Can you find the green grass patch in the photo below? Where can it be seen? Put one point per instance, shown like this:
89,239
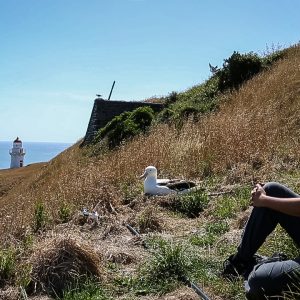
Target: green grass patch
212,231
64,212
40,217
130,191
162,272
23,275
7,265
228,206
142,284
279,241
190,205
206,273
88,290
170,260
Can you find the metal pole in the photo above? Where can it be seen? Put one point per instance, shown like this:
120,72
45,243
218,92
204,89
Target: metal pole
111,90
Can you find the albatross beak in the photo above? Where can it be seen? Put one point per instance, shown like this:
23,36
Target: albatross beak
143,176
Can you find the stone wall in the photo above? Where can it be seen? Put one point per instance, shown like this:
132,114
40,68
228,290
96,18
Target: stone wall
104,111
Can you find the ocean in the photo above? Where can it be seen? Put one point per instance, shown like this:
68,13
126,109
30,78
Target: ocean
35,152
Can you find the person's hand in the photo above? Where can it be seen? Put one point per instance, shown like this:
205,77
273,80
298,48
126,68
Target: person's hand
257,195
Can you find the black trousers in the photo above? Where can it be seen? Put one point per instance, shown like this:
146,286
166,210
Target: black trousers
271,278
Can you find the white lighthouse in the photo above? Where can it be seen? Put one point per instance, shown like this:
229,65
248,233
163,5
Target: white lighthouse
17,154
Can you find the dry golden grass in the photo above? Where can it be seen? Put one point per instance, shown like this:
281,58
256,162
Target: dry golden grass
12,177
154,99
255,132
257,126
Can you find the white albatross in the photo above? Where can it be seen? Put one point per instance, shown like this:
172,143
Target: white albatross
160,187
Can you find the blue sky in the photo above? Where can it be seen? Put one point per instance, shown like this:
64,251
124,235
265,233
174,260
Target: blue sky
56,55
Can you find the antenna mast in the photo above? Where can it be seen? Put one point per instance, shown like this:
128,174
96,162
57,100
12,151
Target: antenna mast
111,90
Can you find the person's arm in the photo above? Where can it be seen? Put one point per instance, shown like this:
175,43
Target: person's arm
289,206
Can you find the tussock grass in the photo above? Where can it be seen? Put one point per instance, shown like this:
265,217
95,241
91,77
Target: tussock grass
60,263
170,260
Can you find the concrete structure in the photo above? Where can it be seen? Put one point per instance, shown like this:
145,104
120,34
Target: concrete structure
17,154
104,111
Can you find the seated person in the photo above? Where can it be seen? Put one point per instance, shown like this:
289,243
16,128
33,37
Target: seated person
273,204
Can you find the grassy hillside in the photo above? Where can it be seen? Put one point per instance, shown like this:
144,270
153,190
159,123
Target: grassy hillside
254,135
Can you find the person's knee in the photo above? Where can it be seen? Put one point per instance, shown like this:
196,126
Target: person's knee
276,189
271,279
255,289
272,188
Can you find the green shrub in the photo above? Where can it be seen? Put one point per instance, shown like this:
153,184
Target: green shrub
142,117
204,98
274,56
237,69
7,265
165,115
113,124
126,125
64,212
172,98
40,217
130,191
193,102
205,240
187,111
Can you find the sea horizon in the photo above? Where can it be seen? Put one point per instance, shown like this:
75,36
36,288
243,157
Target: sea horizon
35,152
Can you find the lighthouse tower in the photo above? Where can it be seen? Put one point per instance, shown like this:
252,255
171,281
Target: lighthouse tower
17,154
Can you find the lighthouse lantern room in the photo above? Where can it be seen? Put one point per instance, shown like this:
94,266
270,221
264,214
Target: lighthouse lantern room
17,154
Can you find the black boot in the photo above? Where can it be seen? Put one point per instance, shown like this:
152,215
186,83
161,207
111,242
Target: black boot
234,266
